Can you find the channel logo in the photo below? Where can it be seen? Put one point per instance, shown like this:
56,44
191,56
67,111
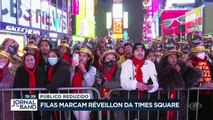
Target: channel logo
24,104
195,106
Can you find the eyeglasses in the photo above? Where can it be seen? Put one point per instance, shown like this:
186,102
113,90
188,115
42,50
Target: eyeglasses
167,23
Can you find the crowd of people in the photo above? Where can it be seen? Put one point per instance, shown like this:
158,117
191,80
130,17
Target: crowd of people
106,64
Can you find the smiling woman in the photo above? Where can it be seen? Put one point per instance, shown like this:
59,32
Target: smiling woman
29,76
29,61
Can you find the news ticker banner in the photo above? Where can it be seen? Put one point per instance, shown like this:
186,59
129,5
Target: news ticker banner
68,102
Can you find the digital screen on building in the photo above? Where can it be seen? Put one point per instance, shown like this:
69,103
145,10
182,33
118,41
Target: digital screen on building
19,39
35,14
85,20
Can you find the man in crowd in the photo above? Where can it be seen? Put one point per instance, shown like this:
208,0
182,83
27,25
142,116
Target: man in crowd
135,74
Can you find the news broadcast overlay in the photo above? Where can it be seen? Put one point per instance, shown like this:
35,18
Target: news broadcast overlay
64,96
68,101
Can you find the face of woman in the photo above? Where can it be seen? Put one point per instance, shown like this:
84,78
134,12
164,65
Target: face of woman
98,52
63,50
52,55
151,57
29,61
110,57
172,60
52,58
45,48
83,58
121,50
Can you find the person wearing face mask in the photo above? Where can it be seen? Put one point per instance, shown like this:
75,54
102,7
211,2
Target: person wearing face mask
83,75
103,45
110,72
108,78
200,60
58,72
8,49
29,76
58,76
135,74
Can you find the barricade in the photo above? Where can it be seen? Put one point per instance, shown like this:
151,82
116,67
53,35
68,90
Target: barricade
11,91
195,106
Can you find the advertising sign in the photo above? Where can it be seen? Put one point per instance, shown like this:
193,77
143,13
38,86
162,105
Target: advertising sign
171,19
81,23
43,14
194,19
117,26
90,16
85,20
16,28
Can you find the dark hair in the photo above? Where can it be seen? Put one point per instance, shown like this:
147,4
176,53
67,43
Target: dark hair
27,54
126,44
57,52
164,62
118,48
148,51
44,40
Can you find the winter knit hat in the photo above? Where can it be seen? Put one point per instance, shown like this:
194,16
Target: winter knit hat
138,45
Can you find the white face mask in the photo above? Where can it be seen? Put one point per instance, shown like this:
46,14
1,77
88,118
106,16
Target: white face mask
2,65
201,55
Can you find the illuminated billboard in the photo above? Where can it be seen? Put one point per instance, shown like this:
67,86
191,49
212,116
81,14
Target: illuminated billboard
34,13
194,19
85,20
170,20
117,26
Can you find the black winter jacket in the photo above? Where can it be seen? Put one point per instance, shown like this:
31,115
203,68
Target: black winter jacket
61,76
22,78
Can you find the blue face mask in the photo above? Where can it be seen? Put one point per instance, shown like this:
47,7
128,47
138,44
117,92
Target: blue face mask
52,61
